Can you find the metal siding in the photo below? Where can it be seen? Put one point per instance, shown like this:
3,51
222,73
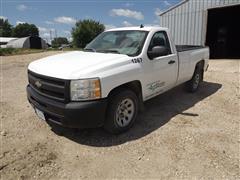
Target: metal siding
199,22
187,24
188,21
184,36
180,19
171,22
179,25
192,24
173,28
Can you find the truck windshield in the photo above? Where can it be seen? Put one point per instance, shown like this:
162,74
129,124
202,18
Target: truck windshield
121,42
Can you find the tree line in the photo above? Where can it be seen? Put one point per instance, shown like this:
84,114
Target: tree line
82,33
20,30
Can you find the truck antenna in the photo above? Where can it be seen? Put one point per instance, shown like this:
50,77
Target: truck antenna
141,26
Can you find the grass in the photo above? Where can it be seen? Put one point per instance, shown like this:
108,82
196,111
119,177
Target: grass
14,51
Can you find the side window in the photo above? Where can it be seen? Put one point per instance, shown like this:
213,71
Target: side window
160,39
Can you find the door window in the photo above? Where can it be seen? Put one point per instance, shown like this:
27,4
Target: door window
160,39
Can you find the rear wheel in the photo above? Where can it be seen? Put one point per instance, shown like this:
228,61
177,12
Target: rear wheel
122,111
193,84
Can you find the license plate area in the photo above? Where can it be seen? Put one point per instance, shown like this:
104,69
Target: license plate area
40,114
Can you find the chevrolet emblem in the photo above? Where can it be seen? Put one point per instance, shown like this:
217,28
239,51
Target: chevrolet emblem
38,84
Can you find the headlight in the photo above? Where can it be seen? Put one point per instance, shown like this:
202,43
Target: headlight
87,89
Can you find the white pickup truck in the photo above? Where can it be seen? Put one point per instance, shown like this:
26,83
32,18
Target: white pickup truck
106,84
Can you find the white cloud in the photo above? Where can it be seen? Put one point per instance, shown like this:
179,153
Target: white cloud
20,22
129,4
157,12
126,23
70,39
154,25
3,17
45,32
156,21
109,26
45,35
42,29
67,32
127,13
49,22
65,20
166,3
22,7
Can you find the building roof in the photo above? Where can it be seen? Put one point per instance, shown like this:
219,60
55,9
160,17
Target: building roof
7,39
18,43
173,7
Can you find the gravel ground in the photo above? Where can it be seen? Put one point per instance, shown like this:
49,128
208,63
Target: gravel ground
178,136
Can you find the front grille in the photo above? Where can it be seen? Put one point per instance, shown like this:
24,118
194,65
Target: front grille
49,87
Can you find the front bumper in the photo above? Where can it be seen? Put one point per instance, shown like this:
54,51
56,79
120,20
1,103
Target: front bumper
89,114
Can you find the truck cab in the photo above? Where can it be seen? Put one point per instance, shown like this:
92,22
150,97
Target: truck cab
106,84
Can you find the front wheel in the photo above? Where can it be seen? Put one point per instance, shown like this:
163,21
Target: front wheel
122,111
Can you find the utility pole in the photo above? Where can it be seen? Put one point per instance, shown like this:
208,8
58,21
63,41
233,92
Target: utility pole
50,35
55,33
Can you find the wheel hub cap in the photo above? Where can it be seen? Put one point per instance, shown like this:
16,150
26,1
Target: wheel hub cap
125,112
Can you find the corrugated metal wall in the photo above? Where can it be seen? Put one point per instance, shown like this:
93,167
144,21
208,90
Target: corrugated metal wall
188,21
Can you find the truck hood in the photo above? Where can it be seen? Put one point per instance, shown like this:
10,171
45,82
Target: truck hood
77,64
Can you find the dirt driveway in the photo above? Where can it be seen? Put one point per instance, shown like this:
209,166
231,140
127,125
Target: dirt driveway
179,136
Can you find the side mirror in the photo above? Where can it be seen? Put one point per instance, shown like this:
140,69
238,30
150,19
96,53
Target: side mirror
158,51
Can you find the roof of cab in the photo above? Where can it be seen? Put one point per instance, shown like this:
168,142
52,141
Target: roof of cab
138,28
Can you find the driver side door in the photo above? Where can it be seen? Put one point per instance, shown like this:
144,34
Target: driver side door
164,68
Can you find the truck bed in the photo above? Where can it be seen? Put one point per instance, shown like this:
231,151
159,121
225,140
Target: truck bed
181,48
188,57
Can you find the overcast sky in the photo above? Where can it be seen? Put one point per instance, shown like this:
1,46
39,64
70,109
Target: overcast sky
59,16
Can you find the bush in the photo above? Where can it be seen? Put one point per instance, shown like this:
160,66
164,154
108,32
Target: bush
7,51
57,42
14,51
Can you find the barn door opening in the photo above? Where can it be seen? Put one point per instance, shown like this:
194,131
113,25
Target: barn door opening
223,32
35,42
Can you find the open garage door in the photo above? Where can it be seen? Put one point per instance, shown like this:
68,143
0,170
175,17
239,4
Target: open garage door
35,42
223,32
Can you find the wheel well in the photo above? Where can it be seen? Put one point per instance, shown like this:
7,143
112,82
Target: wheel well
135,86
200,64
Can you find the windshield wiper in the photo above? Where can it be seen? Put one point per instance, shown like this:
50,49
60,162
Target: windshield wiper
109,51
90,49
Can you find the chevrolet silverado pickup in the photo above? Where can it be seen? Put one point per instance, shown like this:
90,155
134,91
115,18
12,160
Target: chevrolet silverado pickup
106,84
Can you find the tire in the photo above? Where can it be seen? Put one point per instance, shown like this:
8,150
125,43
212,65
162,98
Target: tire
122,111
193,85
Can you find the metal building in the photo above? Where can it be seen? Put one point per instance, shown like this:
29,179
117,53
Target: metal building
31,42
5,40
214,23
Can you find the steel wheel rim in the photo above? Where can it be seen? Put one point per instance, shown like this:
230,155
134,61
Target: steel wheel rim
125,112
196,82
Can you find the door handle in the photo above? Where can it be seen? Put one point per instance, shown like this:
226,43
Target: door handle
171,62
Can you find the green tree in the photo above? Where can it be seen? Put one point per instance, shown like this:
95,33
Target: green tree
85,31
57,42
5,28
25,29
